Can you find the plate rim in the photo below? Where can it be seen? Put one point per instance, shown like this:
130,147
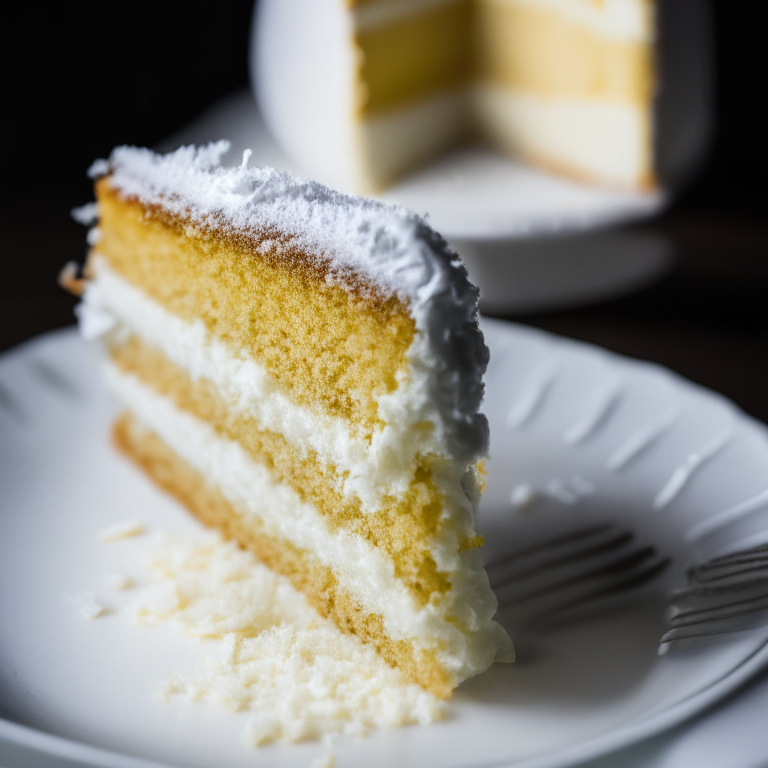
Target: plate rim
696,703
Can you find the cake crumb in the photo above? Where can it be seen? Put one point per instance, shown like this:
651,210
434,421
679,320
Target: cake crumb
88,606
69,281
122,530
118,581
523,496
328,760
86,214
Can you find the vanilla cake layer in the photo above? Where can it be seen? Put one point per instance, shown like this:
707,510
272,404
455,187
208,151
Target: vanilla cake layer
344,577
543,50
314,360
608,142
396,65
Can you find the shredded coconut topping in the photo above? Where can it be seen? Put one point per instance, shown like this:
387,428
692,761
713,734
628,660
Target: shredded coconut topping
383,243
123,530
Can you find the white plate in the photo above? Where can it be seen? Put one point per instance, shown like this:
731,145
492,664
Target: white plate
559,411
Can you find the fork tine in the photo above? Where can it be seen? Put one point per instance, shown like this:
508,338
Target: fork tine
567,573
758,551
573,608
709,590
682,638
726,570
732,610
617,566
559,560
552,543
725,595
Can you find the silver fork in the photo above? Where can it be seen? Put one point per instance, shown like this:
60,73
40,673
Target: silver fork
572,575
591,569
723,596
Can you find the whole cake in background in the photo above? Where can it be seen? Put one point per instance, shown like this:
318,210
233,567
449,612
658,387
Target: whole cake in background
360,92
303,370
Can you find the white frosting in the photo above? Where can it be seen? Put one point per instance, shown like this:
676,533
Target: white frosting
363,571
309,69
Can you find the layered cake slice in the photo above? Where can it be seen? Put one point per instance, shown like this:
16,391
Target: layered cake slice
303,370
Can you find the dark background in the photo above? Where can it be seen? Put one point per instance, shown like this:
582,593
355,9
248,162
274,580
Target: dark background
78,82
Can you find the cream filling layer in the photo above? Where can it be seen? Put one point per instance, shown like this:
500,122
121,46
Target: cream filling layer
606,141
363,571
396,141
627,20
383,466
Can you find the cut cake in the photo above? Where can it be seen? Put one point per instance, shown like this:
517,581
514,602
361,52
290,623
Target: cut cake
303,370
390,84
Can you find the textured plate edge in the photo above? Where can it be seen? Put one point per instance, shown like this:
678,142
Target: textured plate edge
695,704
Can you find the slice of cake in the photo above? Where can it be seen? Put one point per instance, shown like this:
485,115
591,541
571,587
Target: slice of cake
566,84
303,370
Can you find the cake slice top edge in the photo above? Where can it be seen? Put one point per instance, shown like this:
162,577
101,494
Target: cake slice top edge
372,249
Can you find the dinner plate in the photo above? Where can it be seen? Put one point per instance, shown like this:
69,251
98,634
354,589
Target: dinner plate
578,435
